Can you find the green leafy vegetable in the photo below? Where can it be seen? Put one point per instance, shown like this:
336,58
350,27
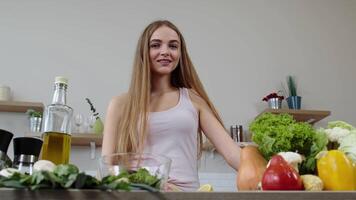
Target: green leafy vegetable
115,182
143,176
33,113
68,176
85,181
43,179
319,144
13,181
136,178
66,170
281,133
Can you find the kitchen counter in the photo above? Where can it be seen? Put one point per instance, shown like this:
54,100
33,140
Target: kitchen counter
97,194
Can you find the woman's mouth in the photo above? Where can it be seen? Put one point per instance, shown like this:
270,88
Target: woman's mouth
164,62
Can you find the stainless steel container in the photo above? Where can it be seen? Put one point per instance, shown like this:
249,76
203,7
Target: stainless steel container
236,133
275,103
35,124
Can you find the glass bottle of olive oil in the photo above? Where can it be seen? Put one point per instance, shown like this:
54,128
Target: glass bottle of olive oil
56,125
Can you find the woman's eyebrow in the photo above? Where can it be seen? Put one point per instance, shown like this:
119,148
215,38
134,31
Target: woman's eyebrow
174,41
156,40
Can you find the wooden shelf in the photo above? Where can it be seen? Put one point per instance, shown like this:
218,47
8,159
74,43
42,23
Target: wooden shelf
84,139
310,116
78,139
20,106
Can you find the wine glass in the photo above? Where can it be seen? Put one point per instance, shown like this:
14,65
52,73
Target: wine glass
90,122
78,121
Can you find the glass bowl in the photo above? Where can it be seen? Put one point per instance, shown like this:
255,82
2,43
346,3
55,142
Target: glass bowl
114,164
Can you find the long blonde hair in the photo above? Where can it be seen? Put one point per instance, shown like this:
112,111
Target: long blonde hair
132,126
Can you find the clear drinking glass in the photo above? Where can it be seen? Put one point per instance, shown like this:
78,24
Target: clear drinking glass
114,164
78,121
90,121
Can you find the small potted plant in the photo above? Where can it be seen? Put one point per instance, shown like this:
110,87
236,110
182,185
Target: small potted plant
98,125
35,120
274,100
294,101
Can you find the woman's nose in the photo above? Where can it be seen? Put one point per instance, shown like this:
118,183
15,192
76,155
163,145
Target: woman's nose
164,51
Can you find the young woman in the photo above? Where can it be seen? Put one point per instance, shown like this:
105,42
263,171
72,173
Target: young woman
166,110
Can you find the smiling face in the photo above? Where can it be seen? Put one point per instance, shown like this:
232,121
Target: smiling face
164,51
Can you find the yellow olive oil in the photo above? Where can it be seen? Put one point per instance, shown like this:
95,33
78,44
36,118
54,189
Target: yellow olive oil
57,125
56,147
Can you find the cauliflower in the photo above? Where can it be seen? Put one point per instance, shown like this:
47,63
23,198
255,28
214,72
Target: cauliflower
336,133
337,130
312,182
44,165
8,172
292,158
348,145
340,124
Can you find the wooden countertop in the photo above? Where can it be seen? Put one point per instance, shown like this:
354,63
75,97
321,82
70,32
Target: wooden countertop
97,194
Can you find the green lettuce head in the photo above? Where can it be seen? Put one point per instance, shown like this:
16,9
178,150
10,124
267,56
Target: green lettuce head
281,133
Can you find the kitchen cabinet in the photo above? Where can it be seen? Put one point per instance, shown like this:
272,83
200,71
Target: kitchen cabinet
20,106
310,116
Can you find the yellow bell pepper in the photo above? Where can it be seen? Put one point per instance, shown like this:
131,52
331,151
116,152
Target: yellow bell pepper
354,165
336,170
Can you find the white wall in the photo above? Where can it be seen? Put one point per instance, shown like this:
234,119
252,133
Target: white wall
242,50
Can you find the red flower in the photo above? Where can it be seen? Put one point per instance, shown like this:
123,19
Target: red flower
272,95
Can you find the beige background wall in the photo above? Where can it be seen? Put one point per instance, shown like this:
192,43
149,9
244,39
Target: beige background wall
242,50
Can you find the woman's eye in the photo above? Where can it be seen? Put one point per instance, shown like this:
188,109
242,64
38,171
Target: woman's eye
173,46
154,45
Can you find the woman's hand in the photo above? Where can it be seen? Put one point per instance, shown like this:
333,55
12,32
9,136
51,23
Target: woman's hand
252,167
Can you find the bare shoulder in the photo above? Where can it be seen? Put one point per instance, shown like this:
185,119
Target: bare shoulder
120,99
197,100
113,115
117,102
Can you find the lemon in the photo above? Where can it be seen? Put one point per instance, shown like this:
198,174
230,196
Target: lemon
205,188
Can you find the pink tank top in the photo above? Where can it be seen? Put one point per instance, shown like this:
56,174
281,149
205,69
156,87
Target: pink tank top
173,133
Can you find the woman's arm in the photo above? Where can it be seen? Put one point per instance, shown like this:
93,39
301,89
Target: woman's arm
112,118
251,169
216,133
248,161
